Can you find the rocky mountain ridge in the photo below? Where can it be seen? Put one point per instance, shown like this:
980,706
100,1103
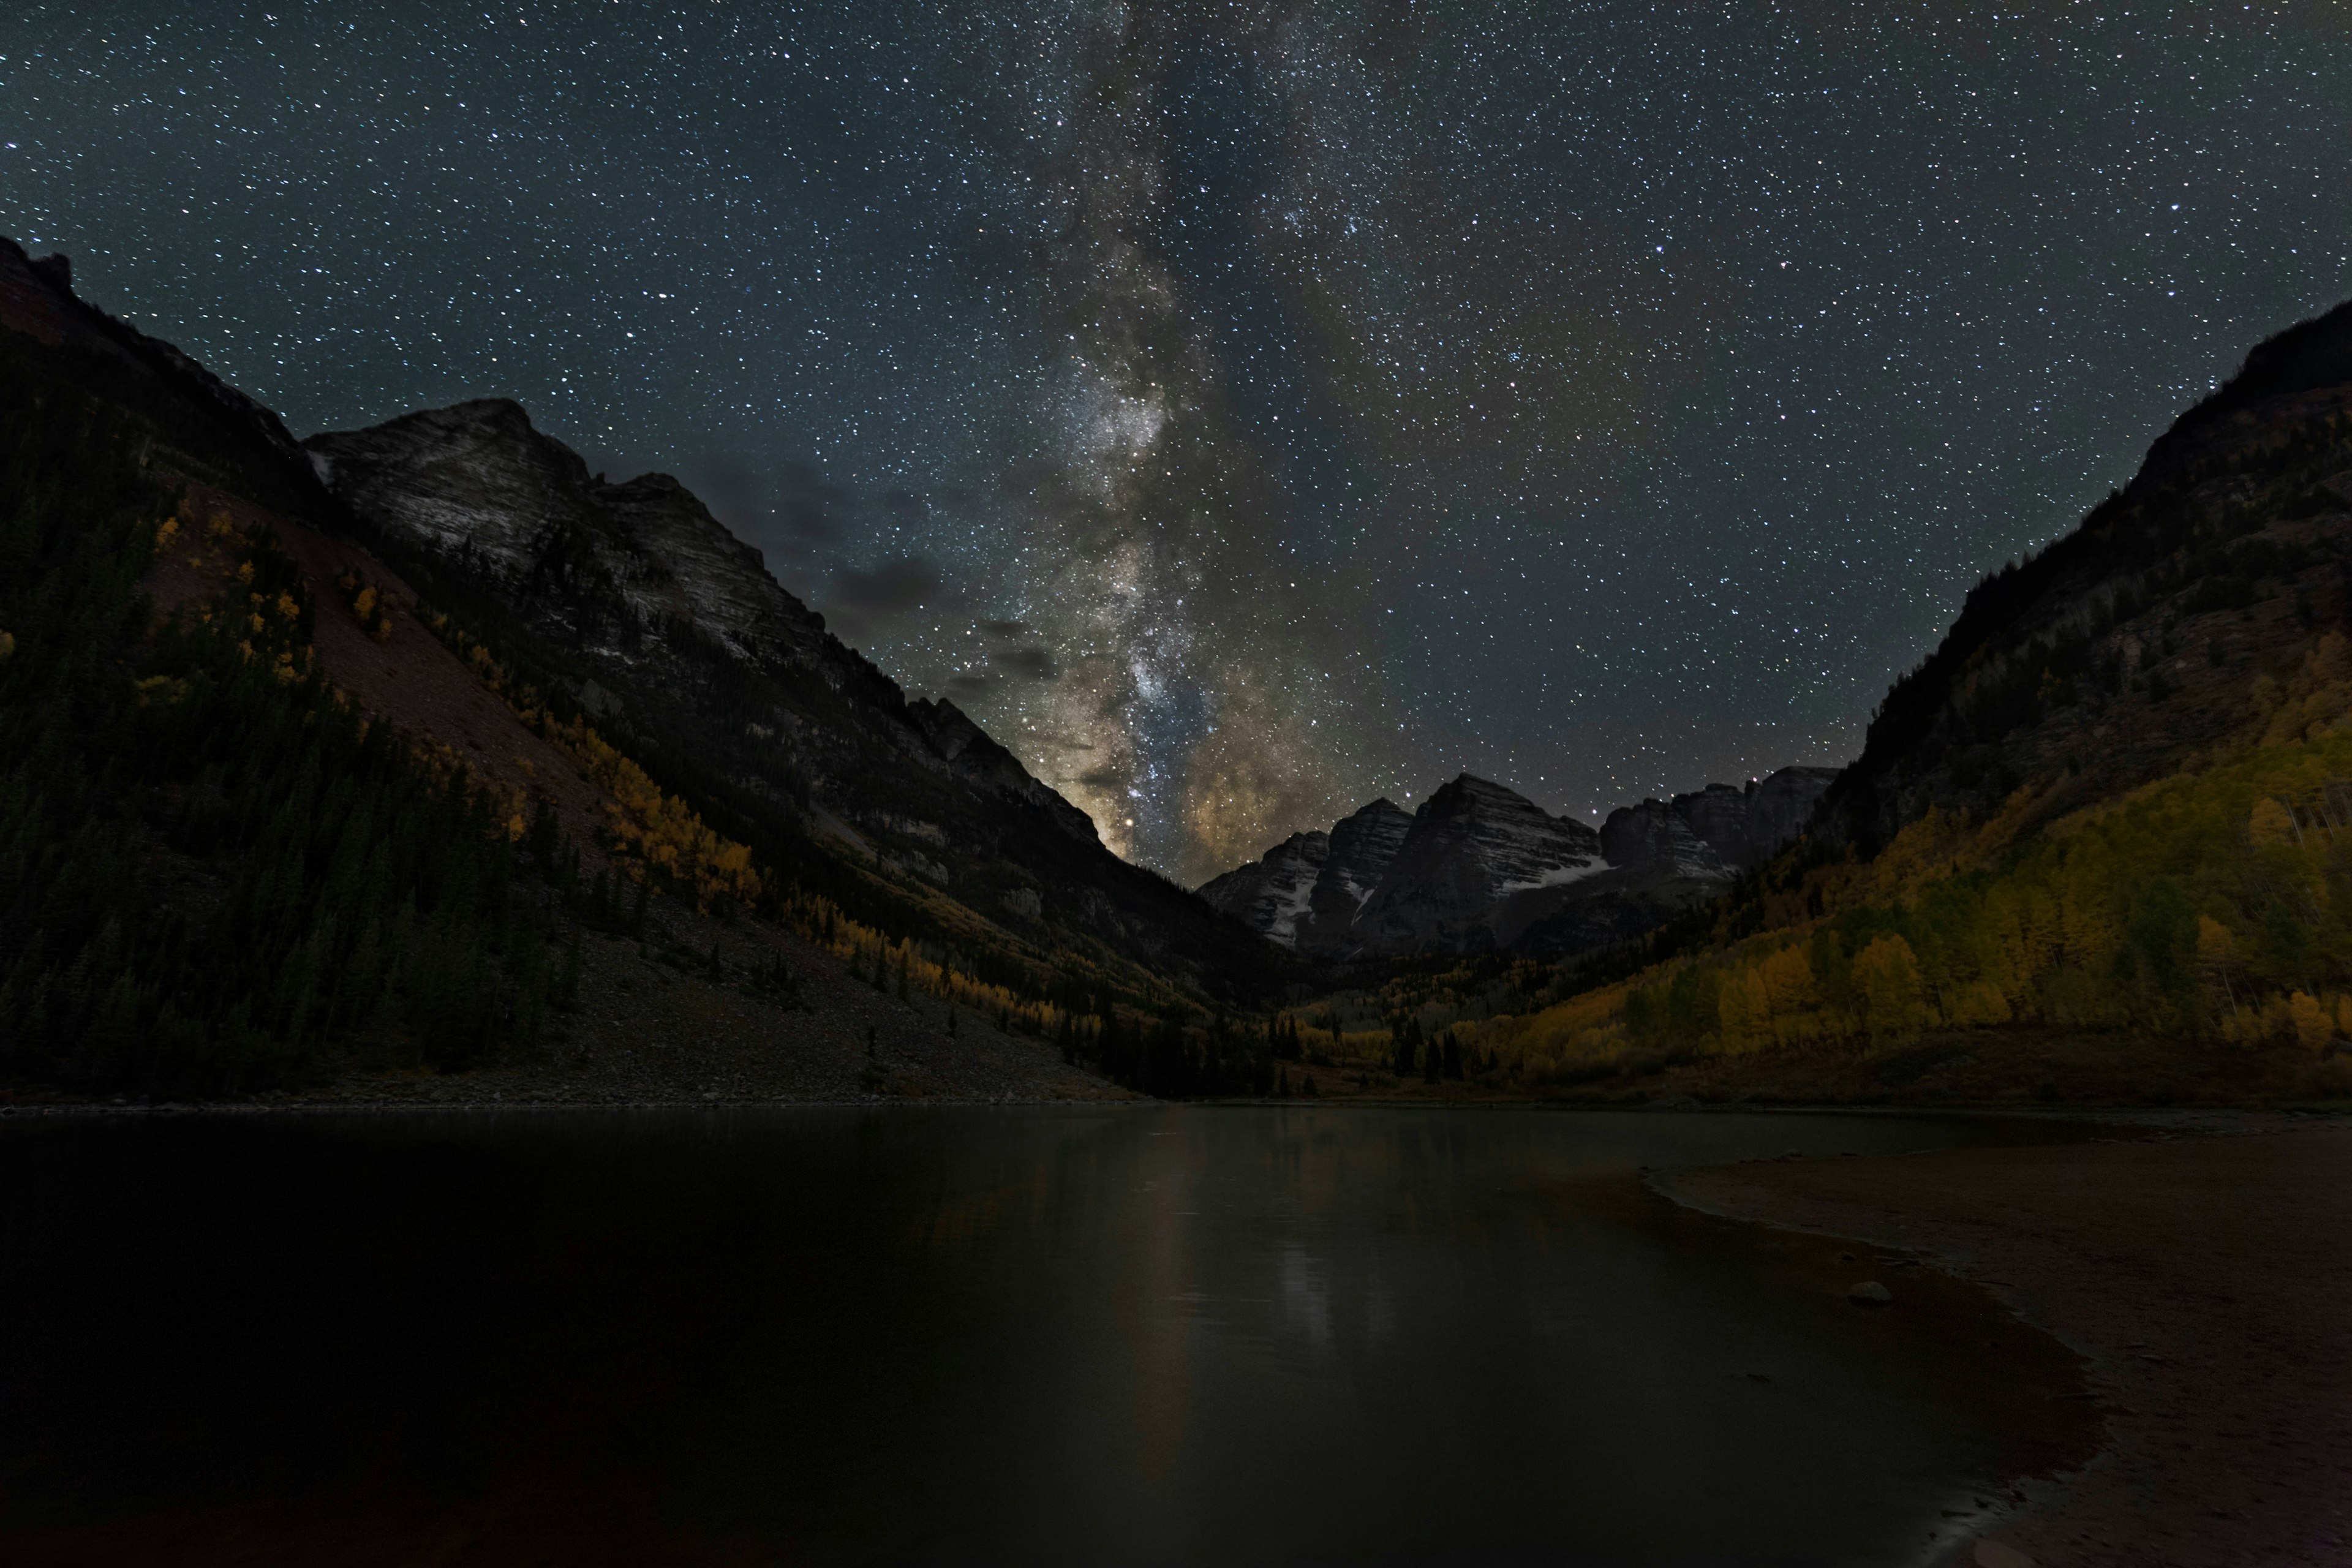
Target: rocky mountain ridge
673,635
637,607
1480,868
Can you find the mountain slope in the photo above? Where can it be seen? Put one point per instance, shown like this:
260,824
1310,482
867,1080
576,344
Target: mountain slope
2142,637
2098,846
269,818
671,634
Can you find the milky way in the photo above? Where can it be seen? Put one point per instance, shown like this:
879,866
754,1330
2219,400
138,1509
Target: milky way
1245,409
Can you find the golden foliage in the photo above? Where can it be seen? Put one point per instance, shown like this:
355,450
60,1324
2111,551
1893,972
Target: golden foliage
2216,902
649,832
369,606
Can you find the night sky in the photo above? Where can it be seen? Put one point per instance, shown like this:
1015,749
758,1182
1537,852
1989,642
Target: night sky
1245,409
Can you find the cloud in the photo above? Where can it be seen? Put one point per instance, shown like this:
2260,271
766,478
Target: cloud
789,509
867,606
1034,663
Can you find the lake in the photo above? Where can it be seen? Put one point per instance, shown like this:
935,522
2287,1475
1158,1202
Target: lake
958,1334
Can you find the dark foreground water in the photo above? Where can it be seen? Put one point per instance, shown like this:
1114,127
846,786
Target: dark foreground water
1161,1335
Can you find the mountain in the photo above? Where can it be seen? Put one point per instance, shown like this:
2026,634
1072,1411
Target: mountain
1717,832
2143,636
1479,867
421,752
1477,861
2092,850
1273,893
672,634
1363,846
1307,892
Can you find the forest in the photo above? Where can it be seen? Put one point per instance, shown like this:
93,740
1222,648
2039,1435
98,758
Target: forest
221,877
2214,905
224,878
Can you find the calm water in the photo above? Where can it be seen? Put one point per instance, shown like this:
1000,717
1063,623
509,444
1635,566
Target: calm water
1164,1335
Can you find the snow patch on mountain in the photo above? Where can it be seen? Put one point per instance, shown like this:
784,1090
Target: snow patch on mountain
1276,892
1558,875
1481,867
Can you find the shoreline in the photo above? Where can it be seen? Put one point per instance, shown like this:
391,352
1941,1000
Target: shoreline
2197,1269
2151,1119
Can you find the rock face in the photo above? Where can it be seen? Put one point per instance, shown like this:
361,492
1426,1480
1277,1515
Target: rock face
671,632
1655,834
1307,892
1363,848
1719,831
1273,894
618,568
1480,868
1473,848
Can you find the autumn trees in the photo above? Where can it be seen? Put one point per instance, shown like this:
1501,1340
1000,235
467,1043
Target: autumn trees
214,875
2214,905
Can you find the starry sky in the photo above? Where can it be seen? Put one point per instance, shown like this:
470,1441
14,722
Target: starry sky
1248,407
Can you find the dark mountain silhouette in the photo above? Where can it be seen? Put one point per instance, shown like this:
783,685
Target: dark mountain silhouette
2139,637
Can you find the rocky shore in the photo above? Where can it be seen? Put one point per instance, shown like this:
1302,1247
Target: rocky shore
698,1012
2199,1264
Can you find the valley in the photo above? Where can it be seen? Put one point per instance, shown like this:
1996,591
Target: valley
2087,855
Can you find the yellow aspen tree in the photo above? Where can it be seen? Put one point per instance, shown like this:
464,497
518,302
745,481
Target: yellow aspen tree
1887,974
1734,1016
2313,1028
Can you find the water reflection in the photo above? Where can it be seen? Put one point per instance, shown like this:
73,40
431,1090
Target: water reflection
1167,1335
